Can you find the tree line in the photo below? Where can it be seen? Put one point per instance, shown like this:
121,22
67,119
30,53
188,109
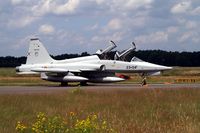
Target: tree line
187,59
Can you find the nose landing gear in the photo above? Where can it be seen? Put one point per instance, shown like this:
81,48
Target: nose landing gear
144,79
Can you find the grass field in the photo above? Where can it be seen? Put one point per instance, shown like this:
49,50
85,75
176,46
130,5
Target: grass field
155,111
126,111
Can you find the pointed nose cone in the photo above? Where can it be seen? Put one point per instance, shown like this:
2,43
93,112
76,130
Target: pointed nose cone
168,68
146,66
152,66
164,67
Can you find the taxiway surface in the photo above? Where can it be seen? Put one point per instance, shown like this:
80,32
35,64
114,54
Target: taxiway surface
52,89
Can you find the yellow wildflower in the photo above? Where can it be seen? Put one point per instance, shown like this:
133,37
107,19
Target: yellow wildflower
72,113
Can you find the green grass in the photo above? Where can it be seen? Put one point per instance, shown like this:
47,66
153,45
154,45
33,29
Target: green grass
7,72
183,71
142,110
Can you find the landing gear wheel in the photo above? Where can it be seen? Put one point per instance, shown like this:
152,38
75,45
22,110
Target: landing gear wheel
83,83
144,79
64,84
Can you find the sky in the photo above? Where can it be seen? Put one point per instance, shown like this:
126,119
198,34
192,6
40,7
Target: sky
75,26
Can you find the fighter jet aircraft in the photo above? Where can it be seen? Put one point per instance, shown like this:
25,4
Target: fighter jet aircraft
83,69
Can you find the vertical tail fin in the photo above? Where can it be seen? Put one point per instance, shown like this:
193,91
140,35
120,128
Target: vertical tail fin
37,53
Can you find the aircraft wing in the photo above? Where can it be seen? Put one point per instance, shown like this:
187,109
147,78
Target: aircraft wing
50,70
61,70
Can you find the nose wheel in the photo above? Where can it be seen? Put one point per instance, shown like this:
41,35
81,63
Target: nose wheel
144,81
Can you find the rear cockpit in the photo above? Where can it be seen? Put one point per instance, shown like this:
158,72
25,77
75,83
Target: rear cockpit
108,54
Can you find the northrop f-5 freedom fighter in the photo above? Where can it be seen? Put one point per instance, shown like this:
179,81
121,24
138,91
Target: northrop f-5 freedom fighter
95,68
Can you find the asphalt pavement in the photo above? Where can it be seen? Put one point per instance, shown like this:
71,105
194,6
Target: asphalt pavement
53,89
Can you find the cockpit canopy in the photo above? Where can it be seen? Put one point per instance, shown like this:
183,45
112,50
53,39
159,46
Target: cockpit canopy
136,59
